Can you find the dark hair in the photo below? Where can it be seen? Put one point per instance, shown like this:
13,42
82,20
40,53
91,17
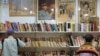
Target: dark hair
44,4
1,34
86,3
88,37
10,34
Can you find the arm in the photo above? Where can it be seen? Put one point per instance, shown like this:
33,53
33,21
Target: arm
0,45
21,43
51,13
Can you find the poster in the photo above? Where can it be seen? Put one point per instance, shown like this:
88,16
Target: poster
46,9
66,11
87,9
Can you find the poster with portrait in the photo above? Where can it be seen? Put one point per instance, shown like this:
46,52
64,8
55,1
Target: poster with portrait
22,7
66,10
87,9
46,9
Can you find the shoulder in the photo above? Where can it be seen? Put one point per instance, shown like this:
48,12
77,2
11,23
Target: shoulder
87,49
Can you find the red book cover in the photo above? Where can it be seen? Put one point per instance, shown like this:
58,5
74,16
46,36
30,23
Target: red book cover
94,26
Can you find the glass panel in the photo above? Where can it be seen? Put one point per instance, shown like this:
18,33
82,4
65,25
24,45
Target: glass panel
22,7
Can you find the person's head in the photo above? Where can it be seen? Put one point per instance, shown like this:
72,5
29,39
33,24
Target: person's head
1,35
10,32
44,6
52,5
86,4
88,37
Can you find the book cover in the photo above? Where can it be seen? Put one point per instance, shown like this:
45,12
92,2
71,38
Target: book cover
15,27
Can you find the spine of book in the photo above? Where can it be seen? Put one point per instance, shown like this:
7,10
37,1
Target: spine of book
2,27
79,27
94,25
83,29
91,25
39,27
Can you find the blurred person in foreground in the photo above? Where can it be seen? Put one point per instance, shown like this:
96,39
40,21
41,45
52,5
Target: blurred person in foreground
87,49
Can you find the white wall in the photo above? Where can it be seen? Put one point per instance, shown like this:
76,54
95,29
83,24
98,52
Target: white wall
4,11
0,10
98,8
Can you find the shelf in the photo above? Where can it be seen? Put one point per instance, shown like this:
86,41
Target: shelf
43,32
27,49
87,32
2,32
52,32
52,48
74,47
37,49
48,48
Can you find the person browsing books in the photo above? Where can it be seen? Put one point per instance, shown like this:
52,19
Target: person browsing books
10,44
87,49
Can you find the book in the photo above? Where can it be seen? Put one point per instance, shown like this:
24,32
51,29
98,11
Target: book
2,27
8,25
15,27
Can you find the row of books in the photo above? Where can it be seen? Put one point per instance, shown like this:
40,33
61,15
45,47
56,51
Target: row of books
90,26
78,40
75,40
45,42
67,27
54,41
71,40
19,27
46,53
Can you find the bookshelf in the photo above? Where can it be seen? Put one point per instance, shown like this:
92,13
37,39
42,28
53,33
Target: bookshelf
53,37
59,40
52,32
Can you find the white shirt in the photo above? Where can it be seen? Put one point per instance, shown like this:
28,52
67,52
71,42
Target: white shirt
10,46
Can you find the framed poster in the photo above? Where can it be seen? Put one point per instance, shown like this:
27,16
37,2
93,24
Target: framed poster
87,8
22,7
46,9
66,10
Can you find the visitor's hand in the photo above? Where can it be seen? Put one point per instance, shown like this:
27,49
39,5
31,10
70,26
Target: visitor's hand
52,12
